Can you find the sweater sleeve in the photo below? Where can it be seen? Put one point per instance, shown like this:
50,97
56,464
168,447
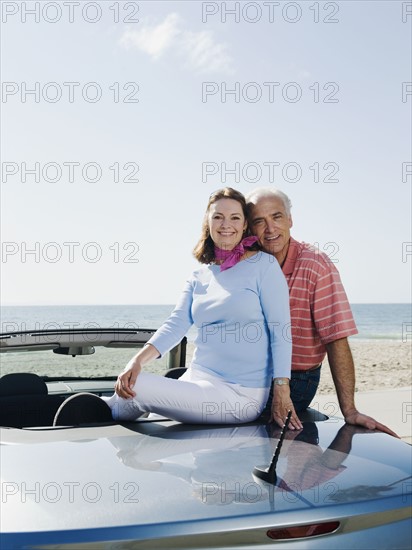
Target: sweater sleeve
177,325
274,296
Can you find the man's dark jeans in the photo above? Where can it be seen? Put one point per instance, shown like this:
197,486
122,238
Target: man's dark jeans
303,386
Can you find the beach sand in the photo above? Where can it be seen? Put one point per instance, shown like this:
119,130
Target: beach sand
379,365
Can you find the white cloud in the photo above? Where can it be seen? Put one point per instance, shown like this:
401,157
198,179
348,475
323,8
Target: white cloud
199,50
204,54
153,40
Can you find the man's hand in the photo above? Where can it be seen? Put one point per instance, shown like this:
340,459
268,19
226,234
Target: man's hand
343,374
356,418
281,405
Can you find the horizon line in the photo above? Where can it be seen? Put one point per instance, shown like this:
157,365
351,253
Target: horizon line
164,304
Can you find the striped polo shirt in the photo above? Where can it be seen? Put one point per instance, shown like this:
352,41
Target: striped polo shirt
319,308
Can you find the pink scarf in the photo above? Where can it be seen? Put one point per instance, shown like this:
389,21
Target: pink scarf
232,257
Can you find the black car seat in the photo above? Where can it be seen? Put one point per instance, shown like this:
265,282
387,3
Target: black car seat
24,401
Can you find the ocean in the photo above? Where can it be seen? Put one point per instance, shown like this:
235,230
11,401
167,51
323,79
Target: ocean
374,321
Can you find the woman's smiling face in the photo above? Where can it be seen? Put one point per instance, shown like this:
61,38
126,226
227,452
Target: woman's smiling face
226,223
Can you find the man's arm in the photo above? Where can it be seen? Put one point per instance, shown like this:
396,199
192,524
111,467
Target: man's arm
343,374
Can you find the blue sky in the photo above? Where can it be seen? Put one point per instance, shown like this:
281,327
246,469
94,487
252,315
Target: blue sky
126,180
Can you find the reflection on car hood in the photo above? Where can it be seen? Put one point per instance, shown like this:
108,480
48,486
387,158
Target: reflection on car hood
167,472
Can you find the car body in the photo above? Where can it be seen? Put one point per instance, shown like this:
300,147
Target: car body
156,483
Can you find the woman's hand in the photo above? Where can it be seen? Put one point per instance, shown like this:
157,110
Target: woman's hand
127,379
281,405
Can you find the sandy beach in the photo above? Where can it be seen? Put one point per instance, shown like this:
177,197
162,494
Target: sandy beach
379,365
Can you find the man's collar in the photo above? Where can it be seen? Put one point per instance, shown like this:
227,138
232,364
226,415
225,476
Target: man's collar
291,257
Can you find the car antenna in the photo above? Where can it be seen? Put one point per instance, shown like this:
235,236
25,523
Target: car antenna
269,474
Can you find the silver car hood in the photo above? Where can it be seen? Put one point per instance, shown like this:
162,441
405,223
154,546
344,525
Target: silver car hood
153,477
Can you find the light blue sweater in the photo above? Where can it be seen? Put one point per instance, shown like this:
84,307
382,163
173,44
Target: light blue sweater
243,321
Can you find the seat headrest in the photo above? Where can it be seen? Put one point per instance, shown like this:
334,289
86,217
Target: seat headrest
22,383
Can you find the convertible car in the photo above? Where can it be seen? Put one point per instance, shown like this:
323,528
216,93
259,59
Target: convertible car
71,477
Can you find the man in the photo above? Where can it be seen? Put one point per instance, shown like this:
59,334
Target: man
320,313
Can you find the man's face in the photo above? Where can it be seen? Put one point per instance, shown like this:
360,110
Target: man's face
271,224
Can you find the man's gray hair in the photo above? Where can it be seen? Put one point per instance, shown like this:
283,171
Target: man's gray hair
260,193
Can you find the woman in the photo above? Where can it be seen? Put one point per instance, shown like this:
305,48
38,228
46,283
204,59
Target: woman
239,302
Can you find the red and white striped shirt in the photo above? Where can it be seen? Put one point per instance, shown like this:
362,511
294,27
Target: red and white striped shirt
319,308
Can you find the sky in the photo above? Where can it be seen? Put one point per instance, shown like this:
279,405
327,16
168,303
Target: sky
119,119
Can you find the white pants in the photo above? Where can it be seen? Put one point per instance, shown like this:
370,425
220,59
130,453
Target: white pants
196,397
